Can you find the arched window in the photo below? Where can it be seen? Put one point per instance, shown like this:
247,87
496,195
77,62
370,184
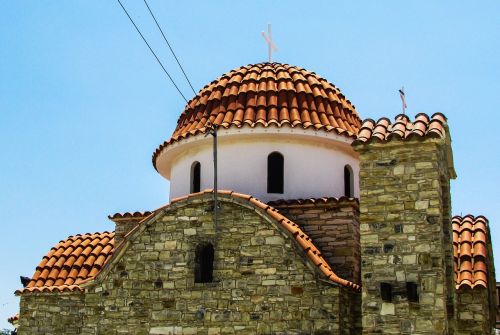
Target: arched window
348,182
204,263
275,172
195,177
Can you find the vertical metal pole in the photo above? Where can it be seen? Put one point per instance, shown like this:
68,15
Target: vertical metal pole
216,205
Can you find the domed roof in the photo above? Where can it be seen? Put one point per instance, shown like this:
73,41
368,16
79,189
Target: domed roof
267,94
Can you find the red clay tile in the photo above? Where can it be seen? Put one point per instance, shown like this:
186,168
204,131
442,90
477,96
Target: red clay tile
403,128
470,238
59,269
311,201
135,215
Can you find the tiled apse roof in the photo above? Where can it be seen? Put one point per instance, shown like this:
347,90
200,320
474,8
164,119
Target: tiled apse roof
403,128
470,239
267,94
71,262
80,258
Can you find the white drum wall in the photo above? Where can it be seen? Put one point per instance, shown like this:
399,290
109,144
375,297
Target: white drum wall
312,167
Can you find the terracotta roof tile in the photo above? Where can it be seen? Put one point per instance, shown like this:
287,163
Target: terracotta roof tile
311,201
302,238
470,254
128,216
267,94
402,128
71,261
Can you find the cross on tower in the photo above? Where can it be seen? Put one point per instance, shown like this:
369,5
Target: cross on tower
270,44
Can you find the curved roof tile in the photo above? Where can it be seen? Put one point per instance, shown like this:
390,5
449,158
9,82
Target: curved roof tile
403,128
470,254
71,262
312,201
267,94
135,216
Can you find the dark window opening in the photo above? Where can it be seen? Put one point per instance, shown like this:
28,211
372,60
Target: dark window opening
204,263
412,291
275,172
348,182
386,292
195,177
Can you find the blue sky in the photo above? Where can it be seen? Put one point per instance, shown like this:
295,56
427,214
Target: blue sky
83,104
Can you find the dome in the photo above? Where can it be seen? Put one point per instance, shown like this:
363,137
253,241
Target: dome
267,95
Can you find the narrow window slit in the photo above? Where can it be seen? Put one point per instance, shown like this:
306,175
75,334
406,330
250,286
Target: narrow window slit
348,182
275,173
412,291
204,263
195,177
386,292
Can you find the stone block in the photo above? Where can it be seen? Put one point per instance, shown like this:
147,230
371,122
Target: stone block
387,309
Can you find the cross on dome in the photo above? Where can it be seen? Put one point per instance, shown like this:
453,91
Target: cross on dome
270,44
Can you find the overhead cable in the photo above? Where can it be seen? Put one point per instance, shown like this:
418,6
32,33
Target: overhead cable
154,54
169,46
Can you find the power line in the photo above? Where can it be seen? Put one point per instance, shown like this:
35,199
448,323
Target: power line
169,46
150,49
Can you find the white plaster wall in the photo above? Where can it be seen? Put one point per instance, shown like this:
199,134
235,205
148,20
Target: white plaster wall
313,166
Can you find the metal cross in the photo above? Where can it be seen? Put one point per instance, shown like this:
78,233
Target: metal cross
270,44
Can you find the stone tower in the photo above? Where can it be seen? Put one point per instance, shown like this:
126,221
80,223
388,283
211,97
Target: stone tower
405,232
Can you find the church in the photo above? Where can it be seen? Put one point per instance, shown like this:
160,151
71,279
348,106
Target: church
288,214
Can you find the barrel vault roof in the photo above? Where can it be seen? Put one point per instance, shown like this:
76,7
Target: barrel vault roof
78,259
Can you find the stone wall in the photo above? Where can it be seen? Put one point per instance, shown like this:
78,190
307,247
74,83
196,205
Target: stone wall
405,237
493,302
473,317
51,313
263,281
333,225
123,225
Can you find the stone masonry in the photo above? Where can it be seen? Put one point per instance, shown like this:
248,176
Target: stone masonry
406,237
263,282
333,225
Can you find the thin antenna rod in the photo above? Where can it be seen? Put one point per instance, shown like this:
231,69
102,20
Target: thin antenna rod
170,47
216,204
150,49
403,99
212,130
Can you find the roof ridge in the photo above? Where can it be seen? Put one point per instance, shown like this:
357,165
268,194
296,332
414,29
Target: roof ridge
384,130
323,200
